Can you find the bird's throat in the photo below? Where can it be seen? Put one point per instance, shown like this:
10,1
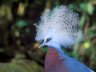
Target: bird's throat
52,60
51,57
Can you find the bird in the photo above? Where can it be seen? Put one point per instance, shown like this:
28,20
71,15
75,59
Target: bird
59,28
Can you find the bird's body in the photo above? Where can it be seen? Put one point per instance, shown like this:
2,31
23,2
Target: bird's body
55,63
58,28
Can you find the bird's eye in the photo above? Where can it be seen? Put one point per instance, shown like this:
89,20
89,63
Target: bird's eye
47,40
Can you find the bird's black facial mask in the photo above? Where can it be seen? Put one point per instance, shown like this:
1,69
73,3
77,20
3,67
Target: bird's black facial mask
43,43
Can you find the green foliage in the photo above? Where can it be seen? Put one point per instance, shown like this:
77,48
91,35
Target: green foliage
83,51
24,66
20,64
21,23
87,8
92,31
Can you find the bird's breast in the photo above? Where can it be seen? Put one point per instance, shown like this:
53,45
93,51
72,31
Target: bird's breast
53,62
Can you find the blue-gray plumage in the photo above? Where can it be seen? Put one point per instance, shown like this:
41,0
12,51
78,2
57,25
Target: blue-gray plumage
60,27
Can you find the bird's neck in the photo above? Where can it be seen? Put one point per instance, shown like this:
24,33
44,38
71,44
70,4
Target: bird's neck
53,60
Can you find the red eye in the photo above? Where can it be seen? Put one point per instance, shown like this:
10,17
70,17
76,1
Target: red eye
47,40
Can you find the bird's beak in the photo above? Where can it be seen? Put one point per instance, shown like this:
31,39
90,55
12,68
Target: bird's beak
41,45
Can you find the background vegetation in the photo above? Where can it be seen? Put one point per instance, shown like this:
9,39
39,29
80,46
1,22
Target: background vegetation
18,49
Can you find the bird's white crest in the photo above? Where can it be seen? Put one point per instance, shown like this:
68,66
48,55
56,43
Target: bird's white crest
61,24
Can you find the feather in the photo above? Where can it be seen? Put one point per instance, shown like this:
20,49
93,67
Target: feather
61,24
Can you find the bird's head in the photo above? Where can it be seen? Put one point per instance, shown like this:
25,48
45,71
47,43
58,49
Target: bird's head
48,41
58,27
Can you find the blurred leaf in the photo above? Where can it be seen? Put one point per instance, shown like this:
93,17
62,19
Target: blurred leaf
72,6
90,8
83,6
86,44
2,50
17,33
21,9
87,8
82,20
21,23
21,66
92,32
